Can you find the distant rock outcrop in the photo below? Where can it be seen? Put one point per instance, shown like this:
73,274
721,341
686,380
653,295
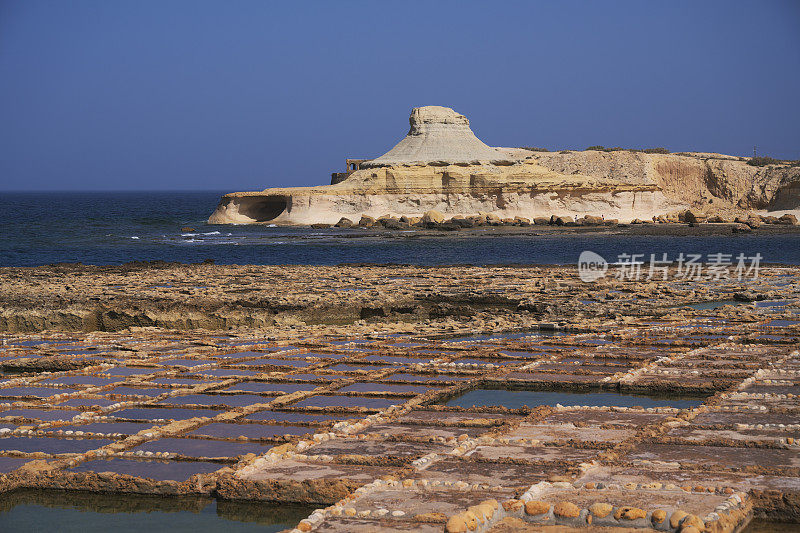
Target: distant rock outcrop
442,166
439,136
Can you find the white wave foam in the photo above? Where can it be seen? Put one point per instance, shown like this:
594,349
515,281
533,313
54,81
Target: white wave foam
213,233
135,237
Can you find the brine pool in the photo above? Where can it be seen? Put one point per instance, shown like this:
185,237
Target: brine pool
514,399
85,512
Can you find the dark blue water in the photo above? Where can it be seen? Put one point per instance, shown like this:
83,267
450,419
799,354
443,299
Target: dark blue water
79,512
114,228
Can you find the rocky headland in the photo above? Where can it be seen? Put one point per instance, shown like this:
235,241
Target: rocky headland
442,170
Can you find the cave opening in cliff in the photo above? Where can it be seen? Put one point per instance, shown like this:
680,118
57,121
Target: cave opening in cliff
265,209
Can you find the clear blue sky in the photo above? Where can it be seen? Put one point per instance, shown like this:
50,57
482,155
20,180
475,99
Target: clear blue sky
243,95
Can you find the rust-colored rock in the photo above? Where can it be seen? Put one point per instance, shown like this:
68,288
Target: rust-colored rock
658,516
456,524
601,510
629,513
535,507
478,512
470,520
484,511
693,521
676,517
512,505
432,216
566,510
431,517
492,503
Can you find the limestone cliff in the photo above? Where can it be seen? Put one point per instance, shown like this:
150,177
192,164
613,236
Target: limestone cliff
442,165
698,179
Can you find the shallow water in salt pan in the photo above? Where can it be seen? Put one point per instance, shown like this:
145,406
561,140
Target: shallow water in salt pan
203,447
294,416
82,380
230,400
229,372
7,464
51,444
762,526
183,362
46,415
153,469
136,391
347,401
476,361
40,392
351,368
126,428
180,381
275,362
253,386
515,399
129,371
701,306
426,377
384,387
395,359
87,402
251,431
165,413
82,512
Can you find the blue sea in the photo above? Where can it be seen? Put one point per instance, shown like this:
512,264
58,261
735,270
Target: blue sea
118,227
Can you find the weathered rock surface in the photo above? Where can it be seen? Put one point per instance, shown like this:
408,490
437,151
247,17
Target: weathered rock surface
439,135
45,364
433,216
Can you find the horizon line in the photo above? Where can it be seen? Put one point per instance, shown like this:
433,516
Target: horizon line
109,190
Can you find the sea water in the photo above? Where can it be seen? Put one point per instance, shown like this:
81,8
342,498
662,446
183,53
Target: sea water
118,227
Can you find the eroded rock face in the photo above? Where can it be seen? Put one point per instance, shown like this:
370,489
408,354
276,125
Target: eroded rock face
438,135
525,189
441,165
694,179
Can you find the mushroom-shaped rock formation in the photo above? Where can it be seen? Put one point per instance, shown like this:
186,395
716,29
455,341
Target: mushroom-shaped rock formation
438,136
440,165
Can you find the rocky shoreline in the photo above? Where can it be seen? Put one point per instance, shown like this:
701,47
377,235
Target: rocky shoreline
661,225
276,298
